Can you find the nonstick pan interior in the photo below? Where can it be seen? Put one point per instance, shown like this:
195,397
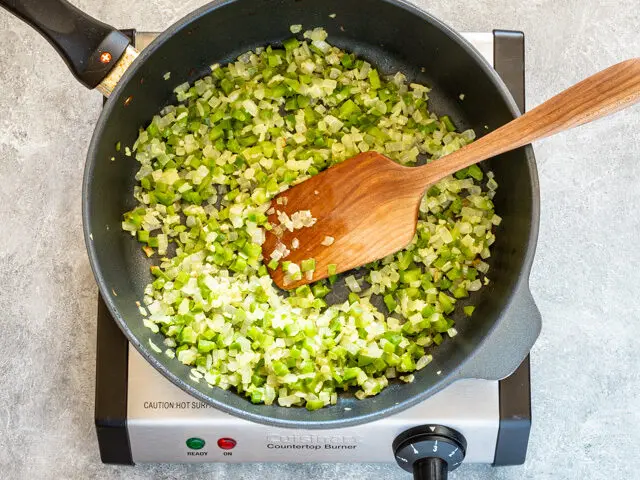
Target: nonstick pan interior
394,37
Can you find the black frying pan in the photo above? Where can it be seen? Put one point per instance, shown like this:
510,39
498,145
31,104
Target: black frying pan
391,34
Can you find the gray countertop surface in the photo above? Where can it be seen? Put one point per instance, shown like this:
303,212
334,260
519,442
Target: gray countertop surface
585,365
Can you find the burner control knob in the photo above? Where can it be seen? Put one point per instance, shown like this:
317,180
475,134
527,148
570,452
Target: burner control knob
429,451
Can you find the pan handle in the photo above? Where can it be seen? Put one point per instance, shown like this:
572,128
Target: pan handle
90,48
508,345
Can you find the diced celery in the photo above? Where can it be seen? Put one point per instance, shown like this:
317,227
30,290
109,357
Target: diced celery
308,265
374,79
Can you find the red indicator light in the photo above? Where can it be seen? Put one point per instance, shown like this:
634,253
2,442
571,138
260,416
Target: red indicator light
226,443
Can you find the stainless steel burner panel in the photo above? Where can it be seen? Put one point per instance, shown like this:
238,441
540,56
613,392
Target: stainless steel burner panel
161,418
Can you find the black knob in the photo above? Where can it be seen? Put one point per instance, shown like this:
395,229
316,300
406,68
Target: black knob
430,451
432,468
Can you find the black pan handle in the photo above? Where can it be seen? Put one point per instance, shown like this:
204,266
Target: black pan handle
89,47
510,342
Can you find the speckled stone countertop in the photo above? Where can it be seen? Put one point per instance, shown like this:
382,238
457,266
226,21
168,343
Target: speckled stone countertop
585,365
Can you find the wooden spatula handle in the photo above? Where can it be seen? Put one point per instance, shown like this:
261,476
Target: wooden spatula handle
605,92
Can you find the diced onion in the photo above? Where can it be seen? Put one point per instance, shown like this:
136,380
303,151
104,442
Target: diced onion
327,241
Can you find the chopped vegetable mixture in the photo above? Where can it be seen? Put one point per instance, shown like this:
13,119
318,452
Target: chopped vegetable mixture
210,165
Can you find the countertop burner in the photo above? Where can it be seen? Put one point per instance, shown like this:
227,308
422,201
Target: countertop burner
142,417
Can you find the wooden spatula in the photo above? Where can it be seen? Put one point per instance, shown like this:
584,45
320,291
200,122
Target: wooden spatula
366,207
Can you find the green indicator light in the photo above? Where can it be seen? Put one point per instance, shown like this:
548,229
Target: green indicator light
195,443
